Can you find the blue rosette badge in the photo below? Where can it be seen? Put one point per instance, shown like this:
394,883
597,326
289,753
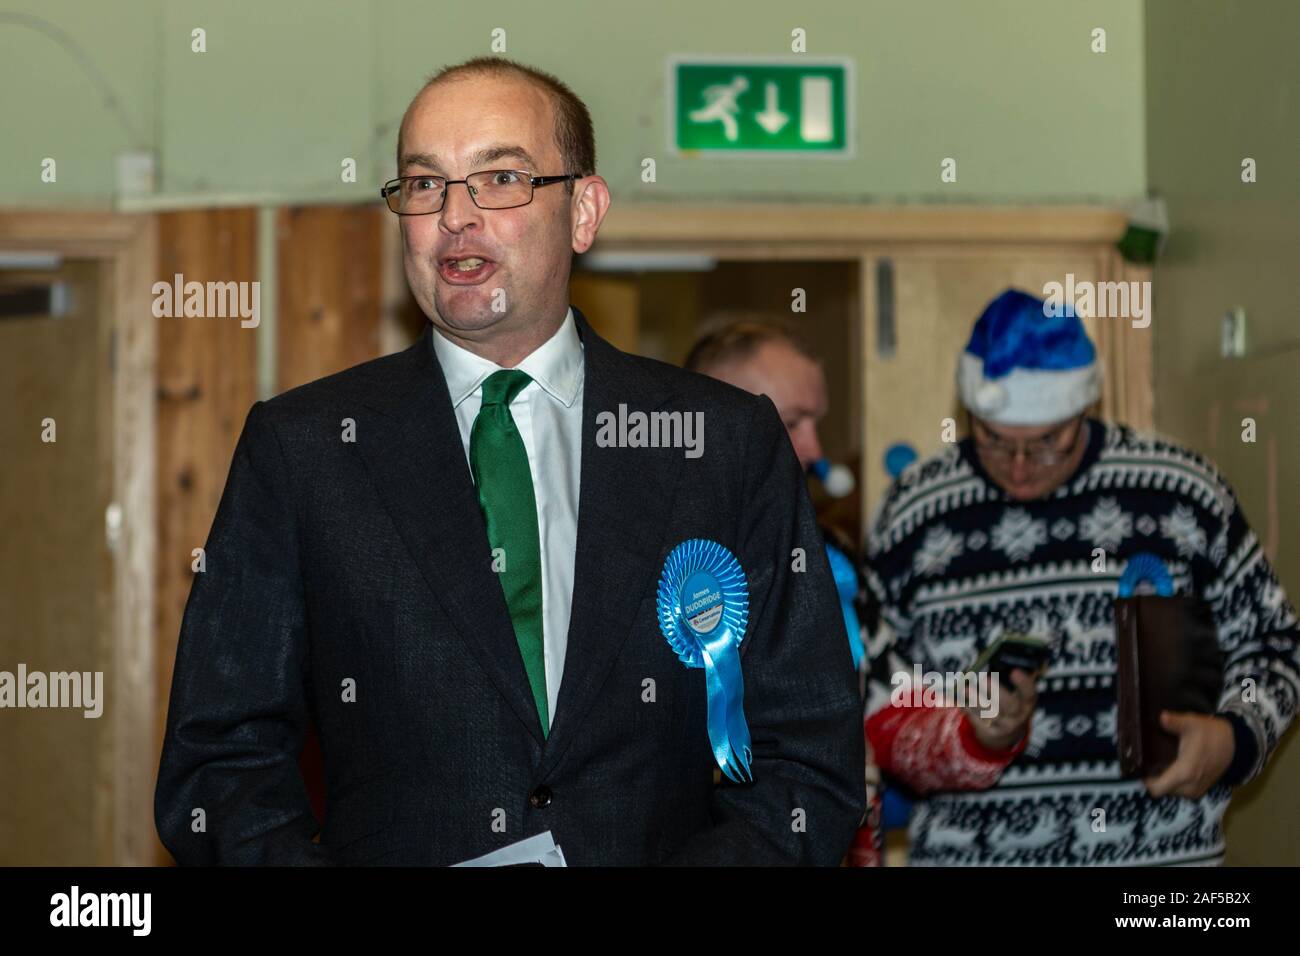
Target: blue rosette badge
1146,568
703,605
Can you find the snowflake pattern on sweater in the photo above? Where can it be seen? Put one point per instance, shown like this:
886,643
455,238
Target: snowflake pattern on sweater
955,563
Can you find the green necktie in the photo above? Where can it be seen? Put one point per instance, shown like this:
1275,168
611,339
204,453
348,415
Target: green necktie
499,463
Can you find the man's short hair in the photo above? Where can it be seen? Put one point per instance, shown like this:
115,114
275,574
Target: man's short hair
574,133
738,339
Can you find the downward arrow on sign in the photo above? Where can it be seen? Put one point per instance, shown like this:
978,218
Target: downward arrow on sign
771,119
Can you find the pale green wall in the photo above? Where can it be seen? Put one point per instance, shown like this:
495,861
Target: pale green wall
54,62
1223,83
289,88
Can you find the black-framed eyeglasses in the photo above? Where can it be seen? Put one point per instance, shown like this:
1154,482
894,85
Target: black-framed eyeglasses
489,189
1045,451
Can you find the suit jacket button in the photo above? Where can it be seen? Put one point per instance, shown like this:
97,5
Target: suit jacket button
541,797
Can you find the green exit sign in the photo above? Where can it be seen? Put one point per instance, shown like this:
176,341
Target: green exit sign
757,107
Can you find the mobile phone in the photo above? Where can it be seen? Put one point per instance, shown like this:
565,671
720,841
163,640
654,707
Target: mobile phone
1013,650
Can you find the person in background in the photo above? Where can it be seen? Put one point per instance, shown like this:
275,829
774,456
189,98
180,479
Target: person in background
1001,532
764,358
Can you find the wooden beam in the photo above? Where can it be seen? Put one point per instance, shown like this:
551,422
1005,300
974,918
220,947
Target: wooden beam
135,370
841,223
78,235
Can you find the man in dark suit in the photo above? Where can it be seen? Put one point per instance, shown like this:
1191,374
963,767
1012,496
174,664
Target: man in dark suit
449,561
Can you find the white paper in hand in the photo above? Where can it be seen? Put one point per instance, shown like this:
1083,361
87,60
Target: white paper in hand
535,849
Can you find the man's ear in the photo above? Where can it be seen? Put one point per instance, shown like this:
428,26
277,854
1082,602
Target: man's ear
590,206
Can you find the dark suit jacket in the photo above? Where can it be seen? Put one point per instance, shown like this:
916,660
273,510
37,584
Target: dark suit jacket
368,562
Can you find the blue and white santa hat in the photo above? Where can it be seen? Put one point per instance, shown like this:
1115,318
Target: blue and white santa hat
1028,365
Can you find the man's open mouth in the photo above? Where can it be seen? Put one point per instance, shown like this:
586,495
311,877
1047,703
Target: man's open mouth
466,269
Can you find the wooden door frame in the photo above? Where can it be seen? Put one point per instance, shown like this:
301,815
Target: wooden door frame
122,781
786,232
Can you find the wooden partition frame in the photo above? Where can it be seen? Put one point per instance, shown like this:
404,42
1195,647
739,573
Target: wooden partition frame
122,781
770,230
862,233
785,232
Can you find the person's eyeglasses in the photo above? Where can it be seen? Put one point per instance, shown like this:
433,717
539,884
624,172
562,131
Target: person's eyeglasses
490,189
1045,451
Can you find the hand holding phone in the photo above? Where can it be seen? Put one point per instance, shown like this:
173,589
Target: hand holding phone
1016,660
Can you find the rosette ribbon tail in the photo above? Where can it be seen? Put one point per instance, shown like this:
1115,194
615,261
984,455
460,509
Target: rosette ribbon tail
728,731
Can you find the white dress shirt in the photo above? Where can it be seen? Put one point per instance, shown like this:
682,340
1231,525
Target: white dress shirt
548,414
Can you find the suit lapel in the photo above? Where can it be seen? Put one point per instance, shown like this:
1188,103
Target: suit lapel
416,460
624,505
413,452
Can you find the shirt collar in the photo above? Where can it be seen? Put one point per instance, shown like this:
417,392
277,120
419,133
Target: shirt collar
556,365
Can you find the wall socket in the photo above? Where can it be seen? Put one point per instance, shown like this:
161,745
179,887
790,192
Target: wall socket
1232,341
136,174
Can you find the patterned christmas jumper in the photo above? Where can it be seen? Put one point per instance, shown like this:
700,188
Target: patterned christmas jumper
955,562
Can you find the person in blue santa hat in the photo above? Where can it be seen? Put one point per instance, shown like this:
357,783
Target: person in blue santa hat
1027,527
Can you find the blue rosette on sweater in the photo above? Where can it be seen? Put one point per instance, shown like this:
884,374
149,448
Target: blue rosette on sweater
703,605
1145,566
